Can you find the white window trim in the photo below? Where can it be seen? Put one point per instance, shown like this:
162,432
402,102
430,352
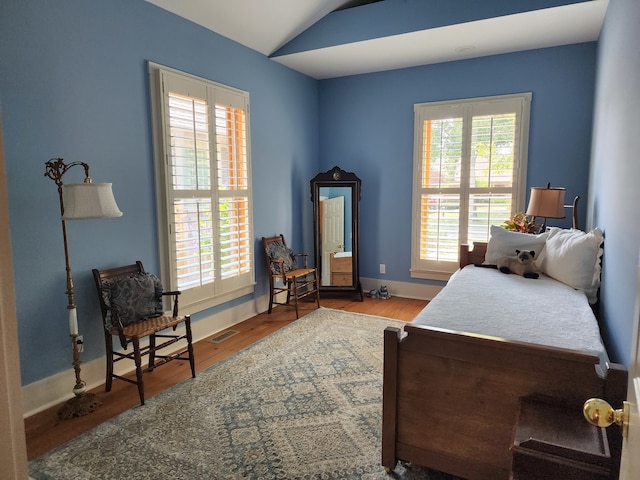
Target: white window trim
519,180
167,272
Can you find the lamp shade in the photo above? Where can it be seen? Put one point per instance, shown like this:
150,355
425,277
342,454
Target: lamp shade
546,202
89,200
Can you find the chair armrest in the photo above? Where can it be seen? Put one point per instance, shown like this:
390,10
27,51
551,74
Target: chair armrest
175,301
304,255
282,272
115,314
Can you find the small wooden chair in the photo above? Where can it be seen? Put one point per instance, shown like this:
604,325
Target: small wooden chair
286,276
131,303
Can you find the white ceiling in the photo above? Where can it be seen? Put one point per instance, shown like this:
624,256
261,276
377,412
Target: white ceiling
266,25
263,25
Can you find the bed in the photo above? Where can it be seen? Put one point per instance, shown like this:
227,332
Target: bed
454,376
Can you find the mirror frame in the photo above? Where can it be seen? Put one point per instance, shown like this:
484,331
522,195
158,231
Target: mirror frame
336,177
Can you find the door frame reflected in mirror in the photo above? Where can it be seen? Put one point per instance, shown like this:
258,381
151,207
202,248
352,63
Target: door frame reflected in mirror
336,256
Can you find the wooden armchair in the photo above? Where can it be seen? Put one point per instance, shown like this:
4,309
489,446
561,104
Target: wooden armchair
131,303
286,276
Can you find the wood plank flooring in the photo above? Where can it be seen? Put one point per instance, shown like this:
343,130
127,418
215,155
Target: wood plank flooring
44,431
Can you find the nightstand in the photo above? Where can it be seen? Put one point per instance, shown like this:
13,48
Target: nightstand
552,441
341,270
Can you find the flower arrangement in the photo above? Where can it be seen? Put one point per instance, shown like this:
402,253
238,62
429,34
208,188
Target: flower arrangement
521,223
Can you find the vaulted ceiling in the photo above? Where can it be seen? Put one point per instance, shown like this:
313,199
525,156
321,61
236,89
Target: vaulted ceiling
333,38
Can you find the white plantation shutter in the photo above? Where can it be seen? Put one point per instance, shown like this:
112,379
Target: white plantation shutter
469,174
194,255
205,178
233,192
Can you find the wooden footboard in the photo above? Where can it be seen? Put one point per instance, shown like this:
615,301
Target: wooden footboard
450,400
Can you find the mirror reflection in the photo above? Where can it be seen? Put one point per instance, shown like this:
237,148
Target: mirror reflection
336,197
336,236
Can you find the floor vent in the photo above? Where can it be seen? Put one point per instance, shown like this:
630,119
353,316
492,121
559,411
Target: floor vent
223,336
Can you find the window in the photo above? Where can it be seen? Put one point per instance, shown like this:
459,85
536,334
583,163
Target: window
203,172
469,174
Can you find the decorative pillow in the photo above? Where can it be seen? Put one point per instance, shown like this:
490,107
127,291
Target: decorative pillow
279,251
573,257
134,298
504,243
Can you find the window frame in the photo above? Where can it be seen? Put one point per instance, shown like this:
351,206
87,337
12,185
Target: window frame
442,271
220,290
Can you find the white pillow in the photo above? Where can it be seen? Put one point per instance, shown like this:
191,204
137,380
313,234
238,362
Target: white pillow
504,243
573,257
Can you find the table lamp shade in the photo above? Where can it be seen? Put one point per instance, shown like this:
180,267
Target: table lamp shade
89,200
546,202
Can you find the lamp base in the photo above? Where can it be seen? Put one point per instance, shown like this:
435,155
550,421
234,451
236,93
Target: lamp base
79,406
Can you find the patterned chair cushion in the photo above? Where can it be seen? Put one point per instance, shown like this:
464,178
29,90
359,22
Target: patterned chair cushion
279,251
134,298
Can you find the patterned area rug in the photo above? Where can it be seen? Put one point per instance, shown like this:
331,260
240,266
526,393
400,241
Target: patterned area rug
303,403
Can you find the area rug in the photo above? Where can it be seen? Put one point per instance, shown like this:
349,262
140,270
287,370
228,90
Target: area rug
303,403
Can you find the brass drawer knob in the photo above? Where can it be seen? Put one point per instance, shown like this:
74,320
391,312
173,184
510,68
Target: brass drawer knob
600,413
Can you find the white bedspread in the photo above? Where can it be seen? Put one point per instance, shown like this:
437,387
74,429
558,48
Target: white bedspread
542,311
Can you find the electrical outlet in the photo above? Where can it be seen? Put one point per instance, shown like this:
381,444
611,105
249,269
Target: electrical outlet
80,343
383,268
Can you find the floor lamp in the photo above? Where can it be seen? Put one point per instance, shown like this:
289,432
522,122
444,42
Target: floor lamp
79,201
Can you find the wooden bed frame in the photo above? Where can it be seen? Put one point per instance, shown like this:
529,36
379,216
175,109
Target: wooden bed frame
450,399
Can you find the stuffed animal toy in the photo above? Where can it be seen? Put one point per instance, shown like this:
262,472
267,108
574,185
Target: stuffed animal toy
382,292
521,264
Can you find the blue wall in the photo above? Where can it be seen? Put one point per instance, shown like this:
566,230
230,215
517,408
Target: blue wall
366,126
73,84
615,171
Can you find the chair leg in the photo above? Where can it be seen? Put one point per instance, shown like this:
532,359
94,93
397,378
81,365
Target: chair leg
187,325
109,348
317,287
294,282
270,296
138,360
152,352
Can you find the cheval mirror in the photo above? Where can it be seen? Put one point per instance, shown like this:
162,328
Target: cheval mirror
336,198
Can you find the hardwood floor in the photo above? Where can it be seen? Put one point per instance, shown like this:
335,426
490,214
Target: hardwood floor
44,431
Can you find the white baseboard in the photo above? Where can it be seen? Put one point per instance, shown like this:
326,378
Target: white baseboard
50,391
402,289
